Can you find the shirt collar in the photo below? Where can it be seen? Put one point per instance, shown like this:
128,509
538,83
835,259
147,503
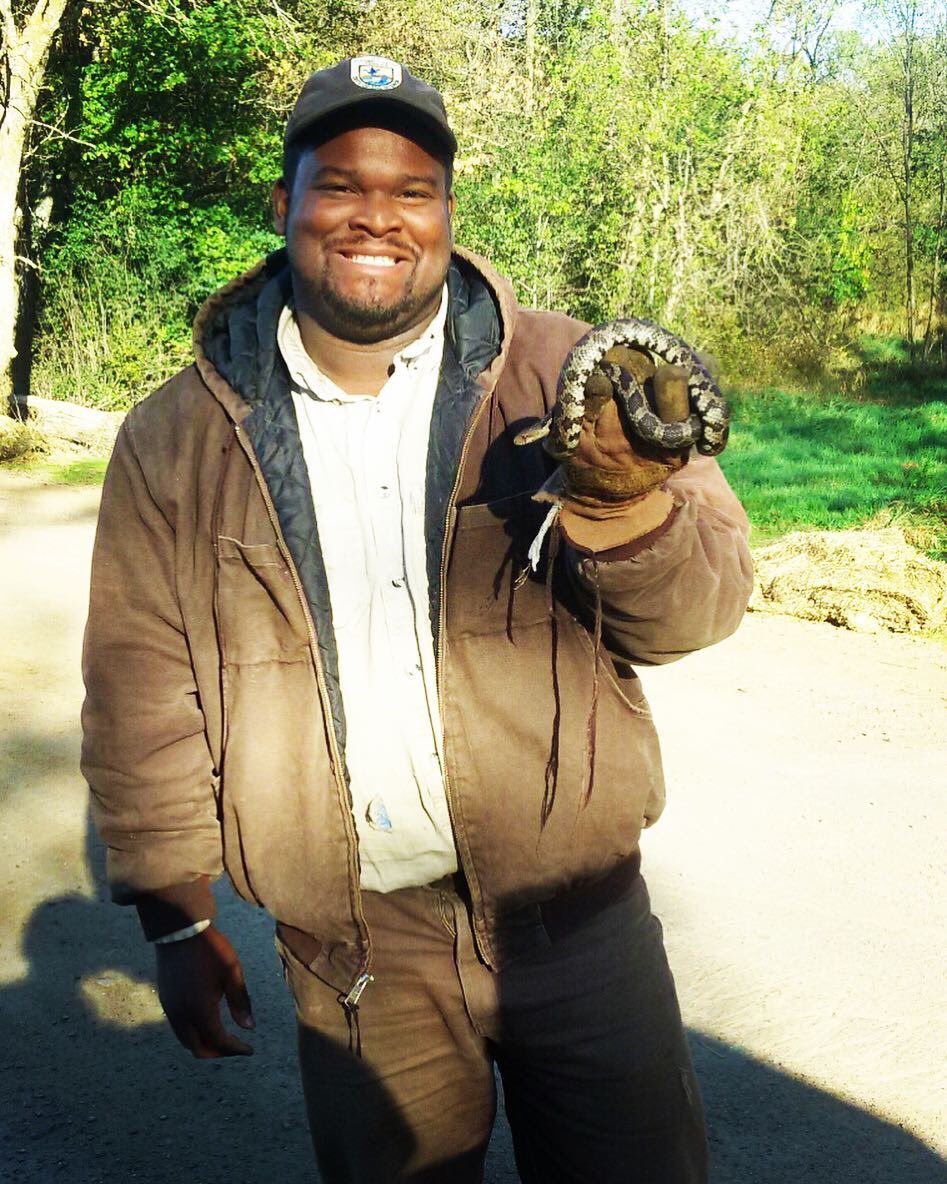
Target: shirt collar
306,375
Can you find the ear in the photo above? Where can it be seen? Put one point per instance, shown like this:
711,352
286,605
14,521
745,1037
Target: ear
280,206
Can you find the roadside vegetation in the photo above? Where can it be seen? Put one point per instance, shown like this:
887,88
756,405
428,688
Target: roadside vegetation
20,441
777,198
838,462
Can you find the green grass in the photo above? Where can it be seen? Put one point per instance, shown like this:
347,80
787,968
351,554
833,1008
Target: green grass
886,372
89,471
800,462
78,472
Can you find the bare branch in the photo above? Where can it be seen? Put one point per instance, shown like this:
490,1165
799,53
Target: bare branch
59,133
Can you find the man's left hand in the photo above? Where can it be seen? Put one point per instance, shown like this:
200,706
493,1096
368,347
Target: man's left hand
611,467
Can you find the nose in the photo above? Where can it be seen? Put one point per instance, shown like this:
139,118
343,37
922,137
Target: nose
377,214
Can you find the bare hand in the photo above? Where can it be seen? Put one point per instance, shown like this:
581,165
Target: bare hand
193,976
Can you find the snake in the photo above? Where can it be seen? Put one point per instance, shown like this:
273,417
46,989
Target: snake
706,427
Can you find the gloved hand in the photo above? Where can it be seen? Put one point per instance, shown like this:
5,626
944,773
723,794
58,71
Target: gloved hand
610,486
611,466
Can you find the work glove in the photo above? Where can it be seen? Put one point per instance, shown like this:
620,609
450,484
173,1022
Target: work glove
611,466
609,489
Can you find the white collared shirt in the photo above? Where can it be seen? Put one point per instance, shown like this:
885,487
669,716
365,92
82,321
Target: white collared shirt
367,460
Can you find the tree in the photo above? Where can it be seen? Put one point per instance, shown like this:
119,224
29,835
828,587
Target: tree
904,93
176,109
27,37
933,159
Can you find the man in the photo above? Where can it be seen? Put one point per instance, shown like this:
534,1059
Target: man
319,657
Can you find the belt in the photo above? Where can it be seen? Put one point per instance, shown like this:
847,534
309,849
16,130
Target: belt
570,910
555,918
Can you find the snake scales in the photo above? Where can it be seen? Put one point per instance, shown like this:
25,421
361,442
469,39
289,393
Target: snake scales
706,427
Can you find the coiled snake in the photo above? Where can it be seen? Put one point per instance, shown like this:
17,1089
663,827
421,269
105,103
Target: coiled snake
706,427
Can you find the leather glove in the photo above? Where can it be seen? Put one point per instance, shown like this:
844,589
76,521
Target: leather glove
610,487
611,466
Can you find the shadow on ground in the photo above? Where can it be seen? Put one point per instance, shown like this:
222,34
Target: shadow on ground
766,1127
94,1093
889,374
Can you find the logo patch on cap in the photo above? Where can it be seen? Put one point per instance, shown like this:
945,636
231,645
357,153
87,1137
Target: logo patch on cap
376,73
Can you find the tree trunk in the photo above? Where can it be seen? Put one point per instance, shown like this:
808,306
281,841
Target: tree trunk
908,16
938,250
908,145
23,61
69,422
12,139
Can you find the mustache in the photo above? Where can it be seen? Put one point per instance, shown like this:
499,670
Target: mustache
356,244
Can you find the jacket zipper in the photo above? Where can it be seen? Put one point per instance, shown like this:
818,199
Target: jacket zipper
466,861
363,977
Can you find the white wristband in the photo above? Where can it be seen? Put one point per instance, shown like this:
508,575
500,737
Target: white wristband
182,934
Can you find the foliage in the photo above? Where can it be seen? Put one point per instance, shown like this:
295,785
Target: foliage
20,440
800,463
172,146
118,334
616,158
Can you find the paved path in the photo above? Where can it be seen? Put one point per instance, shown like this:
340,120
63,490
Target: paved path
799,871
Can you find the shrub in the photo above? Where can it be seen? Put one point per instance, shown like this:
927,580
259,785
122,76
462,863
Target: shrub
20,440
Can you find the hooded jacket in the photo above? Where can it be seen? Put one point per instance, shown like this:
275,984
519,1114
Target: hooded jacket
214,727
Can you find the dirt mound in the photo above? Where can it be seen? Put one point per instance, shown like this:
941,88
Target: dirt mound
862,580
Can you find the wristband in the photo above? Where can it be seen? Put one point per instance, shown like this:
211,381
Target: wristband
181,934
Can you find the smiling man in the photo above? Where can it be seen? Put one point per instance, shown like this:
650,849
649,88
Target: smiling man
331,652
368,233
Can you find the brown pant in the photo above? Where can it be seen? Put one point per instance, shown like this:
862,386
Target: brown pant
584,1028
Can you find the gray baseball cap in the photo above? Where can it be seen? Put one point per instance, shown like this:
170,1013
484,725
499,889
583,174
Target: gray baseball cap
375,80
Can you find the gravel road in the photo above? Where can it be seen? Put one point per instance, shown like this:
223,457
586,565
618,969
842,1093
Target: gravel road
799,871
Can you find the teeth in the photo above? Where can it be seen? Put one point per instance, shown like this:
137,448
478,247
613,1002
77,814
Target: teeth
373,260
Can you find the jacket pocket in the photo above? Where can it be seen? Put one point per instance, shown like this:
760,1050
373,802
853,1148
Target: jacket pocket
491,588
259,614
627,687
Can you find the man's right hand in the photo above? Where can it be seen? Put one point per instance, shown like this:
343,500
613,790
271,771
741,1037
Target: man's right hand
193,976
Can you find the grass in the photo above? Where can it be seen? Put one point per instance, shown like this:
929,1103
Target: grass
887,373
21,442
77,472
831,464
89,471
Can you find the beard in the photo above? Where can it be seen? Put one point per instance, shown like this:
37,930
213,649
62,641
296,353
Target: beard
366,316
367,321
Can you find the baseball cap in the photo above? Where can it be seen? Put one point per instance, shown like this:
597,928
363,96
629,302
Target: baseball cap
369,79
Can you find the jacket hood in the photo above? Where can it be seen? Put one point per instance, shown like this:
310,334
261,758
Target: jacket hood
234,336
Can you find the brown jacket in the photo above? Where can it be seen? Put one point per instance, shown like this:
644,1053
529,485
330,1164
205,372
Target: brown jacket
214,731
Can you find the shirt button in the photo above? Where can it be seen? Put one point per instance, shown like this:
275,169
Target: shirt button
397,583
385,491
